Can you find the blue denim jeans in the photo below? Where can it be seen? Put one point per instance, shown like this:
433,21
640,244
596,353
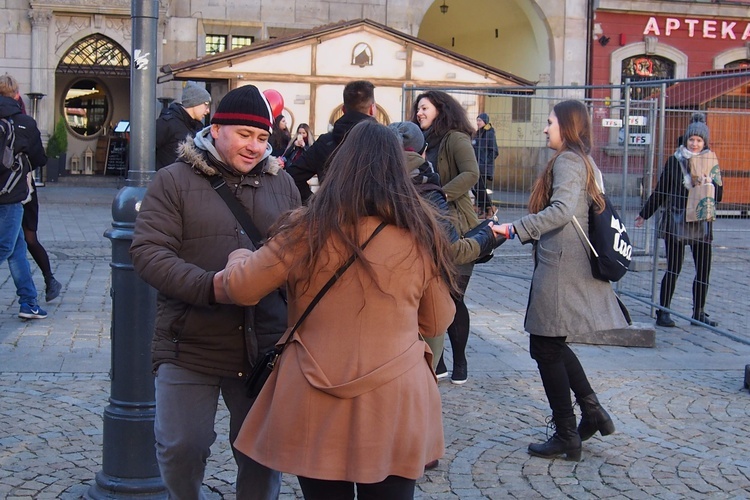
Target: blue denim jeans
13,249
186,403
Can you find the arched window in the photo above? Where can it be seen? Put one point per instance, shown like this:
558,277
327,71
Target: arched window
643,67
741,64
87,102
96,54
381,116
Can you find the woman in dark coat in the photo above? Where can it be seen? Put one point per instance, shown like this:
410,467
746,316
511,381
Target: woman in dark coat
301,143
565,297
672,192
447,132
485,147
280,136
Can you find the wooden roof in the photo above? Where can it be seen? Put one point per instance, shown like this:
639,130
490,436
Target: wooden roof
697,92
210,67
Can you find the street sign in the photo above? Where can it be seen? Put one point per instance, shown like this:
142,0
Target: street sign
611,122
640,139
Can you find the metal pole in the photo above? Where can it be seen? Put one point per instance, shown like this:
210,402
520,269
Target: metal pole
660,155
35,97
129,467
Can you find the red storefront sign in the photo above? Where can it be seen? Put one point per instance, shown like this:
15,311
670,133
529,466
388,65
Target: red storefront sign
698,28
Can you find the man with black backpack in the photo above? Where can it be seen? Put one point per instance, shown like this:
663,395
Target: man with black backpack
21,148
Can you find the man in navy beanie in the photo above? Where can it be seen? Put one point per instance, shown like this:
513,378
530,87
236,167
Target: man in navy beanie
203,346
359,105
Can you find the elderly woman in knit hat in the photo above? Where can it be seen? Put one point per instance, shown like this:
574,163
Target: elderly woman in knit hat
688,190
485,148
179,121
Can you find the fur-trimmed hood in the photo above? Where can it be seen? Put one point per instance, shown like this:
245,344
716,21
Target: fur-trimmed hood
200,153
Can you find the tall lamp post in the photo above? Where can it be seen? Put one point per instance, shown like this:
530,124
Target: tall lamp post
35,97
129,467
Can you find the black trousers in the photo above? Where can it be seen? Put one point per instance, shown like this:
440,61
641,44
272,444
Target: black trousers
391,488
675,256
458,331
560,371
480,189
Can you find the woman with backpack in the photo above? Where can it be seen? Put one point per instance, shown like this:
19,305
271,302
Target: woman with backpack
565,297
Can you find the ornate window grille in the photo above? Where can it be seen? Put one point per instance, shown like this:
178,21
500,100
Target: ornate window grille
96,54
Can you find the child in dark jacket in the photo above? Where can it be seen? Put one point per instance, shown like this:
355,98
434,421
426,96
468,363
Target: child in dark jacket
477,247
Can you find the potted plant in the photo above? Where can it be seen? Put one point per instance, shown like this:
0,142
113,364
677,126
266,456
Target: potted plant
57,149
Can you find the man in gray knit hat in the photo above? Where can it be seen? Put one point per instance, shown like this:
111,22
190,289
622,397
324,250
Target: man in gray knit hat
180,121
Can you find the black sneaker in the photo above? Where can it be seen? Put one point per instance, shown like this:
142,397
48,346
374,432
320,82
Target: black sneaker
459,375
441,371
53,289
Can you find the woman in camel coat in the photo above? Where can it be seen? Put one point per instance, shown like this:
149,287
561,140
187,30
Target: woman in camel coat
353,399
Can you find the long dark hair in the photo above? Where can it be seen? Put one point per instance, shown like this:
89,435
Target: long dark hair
309,139
279,136
575,133
367,176
451,115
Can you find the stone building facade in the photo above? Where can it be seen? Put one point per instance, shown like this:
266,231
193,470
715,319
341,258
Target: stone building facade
78,52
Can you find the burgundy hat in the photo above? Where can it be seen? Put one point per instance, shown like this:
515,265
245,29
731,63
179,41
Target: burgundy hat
245,105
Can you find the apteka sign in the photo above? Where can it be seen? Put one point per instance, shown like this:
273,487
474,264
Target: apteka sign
704,28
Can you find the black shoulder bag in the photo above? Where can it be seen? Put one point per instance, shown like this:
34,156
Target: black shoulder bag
267,362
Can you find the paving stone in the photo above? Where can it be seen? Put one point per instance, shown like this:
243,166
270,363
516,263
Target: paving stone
679,407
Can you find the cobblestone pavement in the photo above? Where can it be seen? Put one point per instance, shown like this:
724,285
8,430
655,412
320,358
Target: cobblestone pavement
680,408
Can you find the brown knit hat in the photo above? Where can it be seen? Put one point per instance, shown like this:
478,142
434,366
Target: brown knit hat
245,105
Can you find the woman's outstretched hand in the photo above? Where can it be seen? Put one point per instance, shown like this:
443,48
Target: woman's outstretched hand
220,291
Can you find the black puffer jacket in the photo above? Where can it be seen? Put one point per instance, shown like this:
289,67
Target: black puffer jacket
314,160
28,141
173,126
183,236
465,250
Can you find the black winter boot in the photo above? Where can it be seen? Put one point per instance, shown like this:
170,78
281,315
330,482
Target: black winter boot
565,441
663,318
703,318
593,418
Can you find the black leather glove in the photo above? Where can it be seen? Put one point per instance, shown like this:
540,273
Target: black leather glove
487,240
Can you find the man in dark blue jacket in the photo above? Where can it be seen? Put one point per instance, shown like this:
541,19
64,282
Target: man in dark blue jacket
359,104
28,153
180,121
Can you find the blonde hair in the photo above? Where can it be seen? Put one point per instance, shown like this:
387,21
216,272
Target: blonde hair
8,86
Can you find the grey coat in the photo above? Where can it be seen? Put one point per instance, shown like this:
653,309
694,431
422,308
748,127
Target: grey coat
565,298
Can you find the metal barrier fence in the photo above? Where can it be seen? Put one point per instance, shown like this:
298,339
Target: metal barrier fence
636,127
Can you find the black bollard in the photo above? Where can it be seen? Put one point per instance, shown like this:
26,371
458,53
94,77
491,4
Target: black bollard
129,467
